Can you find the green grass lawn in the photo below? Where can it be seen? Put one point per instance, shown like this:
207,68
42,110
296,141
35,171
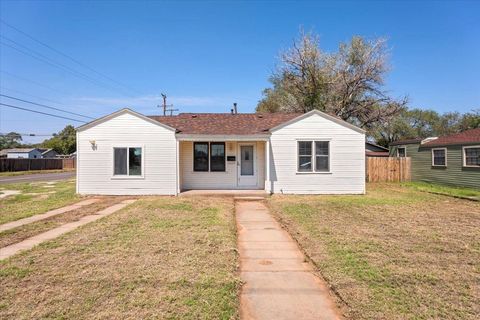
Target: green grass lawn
162,258
395,253
445,190
35,198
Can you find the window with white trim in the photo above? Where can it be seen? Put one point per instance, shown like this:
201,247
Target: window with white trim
439,157
471,156
401,152
127,161
313,156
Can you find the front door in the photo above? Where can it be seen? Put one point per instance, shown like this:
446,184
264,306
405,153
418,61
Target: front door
247,170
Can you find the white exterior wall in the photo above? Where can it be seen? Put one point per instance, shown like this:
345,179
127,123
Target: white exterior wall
95,166
190,179
25,155
347,158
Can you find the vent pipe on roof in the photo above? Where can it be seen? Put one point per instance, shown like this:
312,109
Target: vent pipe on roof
235,107
428,140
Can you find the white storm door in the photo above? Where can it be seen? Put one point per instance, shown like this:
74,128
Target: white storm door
247,170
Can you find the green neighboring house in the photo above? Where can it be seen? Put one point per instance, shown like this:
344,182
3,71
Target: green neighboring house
451,160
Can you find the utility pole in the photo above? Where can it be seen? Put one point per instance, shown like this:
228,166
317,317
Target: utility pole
164,106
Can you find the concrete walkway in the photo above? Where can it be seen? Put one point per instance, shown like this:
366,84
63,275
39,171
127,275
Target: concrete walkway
56,232
278,283
48,214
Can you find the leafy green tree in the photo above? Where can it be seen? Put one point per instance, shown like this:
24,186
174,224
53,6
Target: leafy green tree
64,142
419,123
470,120
10,140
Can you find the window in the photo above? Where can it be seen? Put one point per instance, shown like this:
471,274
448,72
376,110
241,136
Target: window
401,152
304,156
209,156
471,156
200,156
321,156
217,156
309,161
127,161
439,157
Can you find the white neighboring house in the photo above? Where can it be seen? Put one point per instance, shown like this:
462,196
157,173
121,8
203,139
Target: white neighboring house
127,153
23,153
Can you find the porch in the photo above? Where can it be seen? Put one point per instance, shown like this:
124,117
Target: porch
222,164
260,194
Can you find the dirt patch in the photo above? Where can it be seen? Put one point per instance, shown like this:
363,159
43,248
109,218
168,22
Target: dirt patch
7,193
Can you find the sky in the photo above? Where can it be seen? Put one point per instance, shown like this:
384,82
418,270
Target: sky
102,56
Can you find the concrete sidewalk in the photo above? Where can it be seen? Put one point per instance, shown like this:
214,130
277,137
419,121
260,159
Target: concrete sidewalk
279,283
56,232
48,214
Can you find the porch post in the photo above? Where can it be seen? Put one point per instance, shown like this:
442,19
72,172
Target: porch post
267,166
178,169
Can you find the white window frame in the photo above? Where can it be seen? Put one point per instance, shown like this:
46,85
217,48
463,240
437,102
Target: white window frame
314,157
433,158
401,147
128,176
464,156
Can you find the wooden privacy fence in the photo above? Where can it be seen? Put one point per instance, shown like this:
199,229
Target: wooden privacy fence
9,165
388,169
68,163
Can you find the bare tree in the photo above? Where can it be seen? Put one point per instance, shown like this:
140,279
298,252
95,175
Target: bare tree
348,83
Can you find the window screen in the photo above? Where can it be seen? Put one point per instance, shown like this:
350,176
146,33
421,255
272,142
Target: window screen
304,156
200,156
472,156
401,152
439,158
217,156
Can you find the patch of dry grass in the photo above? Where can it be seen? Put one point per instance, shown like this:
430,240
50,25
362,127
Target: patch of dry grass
395,253
21,233
35,198
165,258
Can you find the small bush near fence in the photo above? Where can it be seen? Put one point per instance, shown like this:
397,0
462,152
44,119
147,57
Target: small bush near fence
12,165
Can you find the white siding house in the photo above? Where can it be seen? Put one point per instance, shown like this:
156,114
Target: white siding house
346,158
24,153
95,156
127,153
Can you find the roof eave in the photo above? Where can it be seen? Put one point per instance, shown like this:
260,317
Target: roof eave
118,113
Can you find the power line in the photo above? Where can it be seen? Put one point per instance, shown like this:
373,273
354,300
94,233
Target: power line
44,59
67,56
28,94
32,81
29,134
45,106
40,112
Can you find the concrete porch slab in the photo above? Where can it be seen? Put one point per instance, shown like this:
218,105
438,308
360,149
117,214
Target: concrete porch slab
224,193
